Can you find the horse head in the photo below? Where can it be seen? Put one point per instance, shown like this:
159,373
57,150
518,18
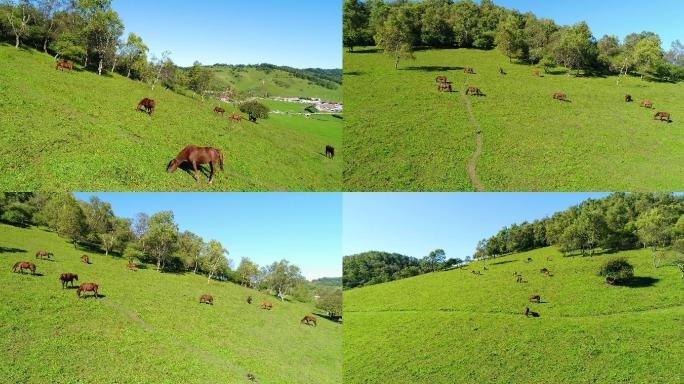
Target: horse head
173,165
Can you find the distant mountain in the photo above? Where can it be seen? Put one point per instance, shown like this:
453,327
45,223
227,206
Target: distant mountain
328,281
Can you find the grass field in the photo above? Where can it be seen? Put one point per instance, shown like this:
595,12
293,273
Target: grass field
273,83
401,134
80,132
454,326
148,327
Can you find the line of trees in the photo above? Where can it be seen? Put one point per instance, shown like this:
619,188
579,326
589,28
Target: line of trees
155,240
398,27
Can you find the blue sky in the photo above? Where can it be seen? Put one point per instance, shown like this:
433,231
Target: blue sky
612,17
304,228
301,33
414,224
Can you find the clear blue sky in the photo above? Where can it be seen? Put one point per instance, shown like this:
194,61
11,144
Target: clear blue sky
414,224
297,33
304,228
611,17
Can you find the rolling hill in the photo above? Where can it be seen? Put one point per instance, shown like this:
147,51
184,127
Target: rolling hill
455,326
148,327
404,135
79,132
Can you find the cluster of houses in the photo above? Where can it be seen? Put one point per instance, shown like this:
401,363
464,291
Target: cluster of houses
320,105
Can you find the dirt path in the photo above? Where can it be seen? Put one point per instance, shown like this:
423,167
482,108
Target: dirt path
472,164
202,354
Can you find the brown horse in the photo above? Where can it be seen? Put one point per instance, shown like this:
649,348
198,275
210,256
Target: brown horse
474,91
266,305
526,312
236,118
662,116
628,99
249,299
647,104
536,73
330,151
441,79
85,259
67,278
207,299
560,96
44,254
444,87
535,298
308,320
62,65
24,265
469,70
218,110
87,287
197,155
131,266
148,104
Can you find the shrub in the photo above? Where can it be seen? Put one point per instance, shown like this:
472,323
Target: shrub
255,108
617,270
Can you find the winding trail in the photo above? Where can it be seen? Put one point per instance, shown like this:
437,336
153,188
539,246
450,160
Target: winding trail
472,164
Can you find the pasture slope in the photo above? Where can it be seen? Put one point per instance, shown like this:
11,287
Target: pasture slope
80,132
148,327
457,327
401,134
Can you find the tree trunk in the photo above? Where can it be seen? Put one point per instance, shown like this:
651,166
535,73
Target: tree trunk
158,264
129,73
106,251
114,65
99,67
16,45
45,43
396,63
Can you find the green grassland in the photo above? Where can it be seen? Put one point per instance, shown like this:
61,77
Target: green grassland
401,134
148,327
454,326
80,132
255,82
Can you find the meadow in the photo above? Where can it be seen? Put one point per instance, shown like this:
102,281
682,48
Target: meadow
79,132
147,326
401,134
454,326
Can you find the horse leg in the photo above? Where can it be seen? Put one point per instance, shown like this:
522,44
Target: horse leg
211,175
194,166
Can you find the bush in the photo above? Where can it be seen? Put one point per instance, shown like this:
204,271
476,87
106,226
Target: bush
17,214
255,108
617,270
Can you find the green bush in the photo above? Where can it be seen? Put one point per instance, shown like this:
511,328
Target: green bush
255,108
617,270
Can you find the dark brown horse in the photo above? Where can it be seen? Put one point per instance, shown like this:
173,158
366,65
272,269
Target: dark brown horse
236,118
663,116
24,265
62,65
249,299
67,278
469,70
535,298
148,105
444,87
87,287
207,299
266,305
536,73
218,110
309,320
44,254
330,151
131,266
560,96
85,259
441,79
628,99
474,91
647,104
197,156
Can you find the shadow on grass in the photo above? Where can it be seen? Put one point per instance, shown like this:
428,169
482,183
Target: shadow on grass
503,262
432,68
354,73
203,169
639,282
12,250
370,50
88,295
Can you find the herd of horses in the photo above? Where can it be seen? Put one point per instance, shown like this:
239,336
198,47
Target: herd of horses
67,280
444,85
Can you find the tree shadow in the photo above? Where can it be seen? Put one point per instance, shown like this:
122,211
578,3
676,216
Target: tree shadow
12,250
370,50
432,68
354,73
639,282
503,262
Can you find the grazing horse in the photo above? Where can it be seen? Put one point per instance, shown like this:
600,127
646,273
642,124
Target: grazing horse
87,287
469,70
85,259
501,71
24,265
252,118
662,116
529,259
441,79
535,298
536,73
236,118
444,87
206,299
131,266
197,155
560,96
266,305
67,278
647,104
628,99
485,268
544,270
249,299
520,280
251,377
148,104
308,320
330,151
474,91
476,273
62,65
218,110
42,254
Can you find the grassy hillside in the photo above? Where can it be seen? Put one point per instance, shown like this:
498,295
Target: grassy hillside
148,327
80,132
266,83
441,326
402,134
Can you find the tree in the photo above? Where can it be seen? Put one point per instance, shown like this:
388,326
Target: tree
576,48
200,79
617,271
435,259
134,50
70,220
161,238
19,16
395,36
509,38
158,66
48,10
330,301
102,29
281,276
654,229
215,261
255,109
354,23
17,213
190,248
118,235
678,247
594,230
464,22
247,272
99,217
435,30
